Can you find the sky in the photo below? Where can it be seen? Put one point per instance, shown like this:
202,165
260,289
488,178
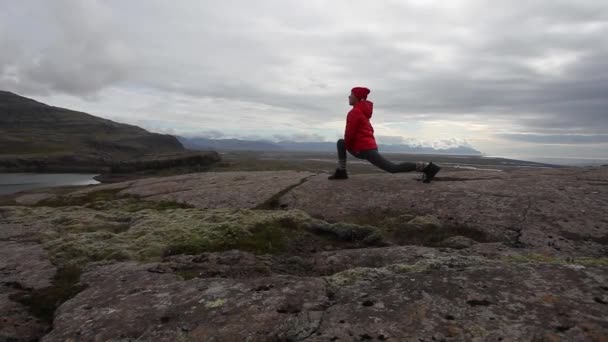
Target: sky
509,78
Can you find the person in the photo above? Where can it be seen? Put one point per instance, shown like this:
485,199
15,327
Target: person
360,142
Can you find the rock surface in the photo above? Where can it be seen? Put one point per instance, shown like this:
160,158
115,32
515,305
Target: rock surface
31,199
553,211
435,298
23,267
210,190
290,256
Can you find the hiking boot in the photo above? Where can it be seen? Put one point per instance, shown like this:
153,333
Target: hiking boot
339,174
429,172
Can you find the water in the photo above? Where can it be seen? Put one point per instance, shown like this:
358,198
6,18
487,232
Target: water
16,182
564,161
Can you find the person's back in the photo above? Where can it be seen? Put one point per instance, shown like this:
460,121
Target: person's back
359,133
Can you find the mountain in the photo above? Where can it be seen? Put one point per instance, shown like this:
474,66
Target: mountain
200,143
31,128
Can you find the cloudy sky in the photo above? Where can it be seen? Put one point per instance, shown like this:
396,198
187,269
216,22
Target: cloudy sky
511,78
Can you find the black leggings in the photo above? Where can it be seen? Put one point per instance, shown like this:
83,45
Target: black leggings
374,157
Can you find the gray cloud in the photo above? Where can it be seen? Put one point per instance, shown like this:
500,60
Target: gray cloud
537,67
81,53
569,139
387,139
300,137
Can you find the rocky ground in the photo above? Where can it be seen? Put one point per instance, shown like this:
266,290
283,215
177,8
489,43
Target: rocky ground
289,256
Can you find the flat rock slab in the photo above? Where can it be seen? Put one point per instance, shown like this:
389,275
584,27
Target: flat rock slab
210,190
423,296
26,264
128,301
32,199
556,210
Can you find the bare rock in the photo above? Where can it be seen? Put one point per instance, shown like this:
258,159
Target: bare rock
211,190
127,301
423,295
32,199
23,268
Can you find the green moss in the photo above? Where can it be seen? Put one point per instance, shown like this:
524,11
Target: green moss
352,275
591,261
43,302
547,259
407,268
411,229
134,204
532,258
183,336
88,198
215,303
76,235
350,232
428,231
187,274
259,237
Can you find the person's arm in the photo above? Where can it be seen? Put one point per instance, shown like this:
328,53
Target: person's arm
353,119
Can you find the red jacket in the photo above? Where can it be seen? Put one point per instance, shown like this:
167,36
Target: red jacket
359,133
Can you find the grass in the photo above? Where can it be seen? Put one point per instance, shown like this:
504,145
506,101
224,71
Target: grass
412,229
108,199
89,198
270,238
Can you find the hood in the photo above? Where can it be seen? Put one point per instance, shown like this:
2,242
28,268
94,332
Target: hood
366,107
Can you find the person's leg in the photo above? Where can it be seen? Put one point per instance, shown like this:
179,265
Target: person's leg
341,154
429,170
374,157
340,172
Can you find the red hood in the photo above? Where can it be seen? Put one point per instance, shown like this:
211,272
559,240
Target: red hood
366,107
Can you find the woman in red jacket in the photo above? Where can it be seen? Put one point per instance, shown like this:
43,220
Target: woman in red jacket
359,141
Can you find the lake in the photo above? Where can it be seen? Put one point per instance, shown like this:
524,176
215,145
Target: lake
15,182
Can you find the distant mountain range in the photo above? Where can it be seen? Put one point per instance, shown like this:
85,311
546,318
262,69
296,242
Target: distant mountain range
201,143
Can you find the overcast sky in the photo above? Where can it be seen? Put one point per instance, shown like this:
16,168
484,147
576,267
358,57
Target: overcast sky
512,78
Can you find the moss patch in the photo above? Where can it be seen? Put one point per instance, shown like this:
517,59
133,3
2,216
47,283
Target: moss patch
426,231
347,232
412,229
215,303
548,259
134,204
108,200
261,238
91,197
353,275
77,235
